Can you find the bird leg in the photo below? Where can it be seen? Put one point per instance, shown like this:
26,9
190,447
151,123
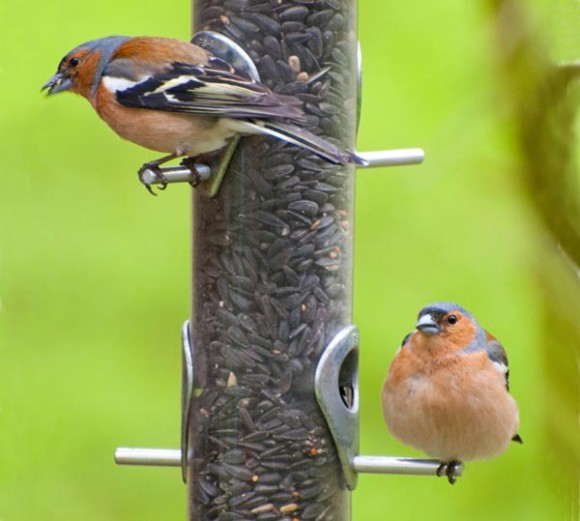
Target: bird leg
153,166
449,469
191,163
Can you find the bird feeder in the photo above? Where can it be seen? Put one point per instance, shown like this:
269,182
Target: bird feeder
270,420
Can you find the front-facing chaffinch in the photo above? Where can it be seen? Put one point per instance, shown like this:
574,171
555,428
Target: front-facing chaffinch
175,97
447,390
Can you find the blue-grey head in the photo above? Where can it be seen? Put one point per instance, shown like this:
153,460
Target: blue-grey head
440,317
81,69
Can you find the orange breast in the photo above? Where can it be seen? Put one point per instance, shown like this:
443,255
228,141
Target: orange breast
167,132
451,407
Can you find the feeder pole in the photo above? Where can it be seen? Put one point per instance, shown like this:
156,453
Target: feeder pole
272,278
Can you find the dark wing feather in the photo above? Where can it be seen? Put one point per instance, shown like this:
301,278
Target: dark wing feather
406,339
497,354
316,144
212,90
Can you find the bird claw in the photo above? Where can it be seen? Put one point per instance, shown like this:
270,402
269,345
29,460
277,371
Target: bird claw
145,172
191,164
449,469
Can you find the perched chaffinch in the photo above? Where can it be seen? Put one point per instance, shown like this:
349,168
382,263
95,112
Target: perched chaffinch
174,97
447,390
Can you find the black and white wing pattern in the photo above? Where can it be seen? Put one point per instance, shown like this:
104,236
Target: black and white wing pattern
498,356
212,90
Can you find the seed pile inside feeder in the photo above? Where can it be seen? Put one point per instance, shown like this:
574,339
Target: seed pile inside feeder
272,277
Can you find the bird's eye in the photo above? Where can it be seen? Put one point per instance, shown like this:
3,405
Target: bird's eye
74,61
452,319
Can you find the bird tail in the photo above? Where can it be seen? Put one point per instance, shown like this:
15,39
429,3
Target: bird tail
302,138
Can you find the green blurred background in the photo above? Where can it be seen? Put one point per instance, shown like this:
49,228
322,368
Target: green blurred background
94,273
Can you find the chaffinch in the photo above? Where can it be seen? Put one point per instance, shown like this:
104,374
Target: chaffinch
174,97
447,390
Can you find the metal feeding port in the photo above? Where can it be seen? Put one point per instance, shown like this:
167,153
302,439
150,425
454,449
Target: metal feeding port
336,388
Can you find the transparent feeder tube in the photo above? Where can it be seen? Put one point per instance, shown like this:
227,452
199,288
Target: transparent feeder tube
272,277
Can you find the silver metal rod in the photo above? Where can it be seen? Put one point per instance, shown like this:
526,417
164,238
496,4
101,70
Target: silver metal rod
400,157
389,465
177,174
361,464
376,158
148,457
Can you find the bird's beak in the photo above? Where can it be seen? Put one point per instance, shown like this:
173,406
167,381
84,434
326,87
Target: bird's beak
58,83
426,324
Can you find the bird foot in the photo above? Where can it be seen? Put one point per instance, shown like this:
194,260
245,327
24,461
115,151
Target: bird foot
191,163
151,173
449,469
